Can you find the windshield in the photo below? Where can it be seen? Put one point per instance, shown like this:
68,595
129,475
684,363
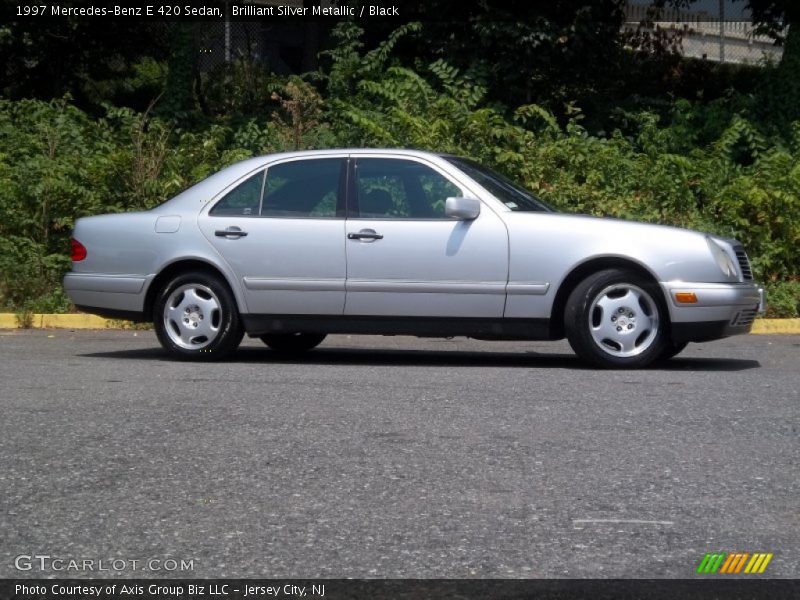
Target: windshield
509,193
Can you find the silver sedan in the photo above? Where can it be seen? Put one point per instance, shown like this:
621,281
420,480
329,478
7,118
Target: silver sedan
292,247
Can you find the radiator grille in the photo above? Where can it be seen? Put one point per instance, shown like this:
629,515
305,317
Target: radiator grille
744,263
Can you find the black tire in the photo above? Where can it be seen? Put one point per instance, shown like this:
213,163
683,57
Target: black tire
200,303
616,318
672,349
293,343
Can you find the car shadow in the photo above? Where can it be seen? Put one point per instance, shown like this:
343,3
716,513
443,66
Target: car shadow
330,356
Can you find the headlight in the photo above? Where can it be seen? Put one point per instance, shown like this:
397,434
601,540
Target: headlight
722,258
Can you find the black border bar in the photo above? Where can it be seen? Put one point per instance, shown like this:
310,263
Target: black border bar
452,11
712,588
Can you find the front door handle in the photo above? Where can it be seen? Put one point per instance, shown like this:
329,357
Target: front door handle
365,234
230,232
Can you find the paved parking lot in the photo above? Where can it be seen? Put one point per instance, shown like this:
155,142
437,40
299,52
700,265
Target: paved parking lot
396,457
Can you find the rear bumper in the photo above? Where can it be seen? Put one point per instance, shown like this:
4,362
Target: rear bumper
720,310
114,296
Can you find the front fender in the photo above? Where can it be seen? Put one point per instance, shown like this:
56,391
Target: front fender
545,248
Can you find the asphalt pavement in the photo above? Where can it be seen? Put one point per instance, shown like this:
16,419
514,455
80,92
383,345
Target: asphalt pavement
393,457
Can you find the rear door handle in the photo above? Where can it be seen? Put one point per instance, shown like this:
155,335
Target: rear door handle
230,232
365,234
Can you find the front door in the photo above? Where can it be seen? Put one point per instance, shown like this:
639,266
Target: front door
406,259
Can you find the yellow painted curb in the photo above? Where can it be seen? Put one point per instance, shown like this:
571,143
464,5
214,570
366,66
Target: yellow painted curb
82,321
50,321
785,326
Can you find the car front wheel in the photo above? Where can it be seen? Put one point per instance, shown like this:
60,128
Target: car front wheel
195,318
615,319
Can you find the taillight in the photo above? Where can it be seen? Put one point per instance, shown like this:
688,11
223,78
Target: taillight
78,250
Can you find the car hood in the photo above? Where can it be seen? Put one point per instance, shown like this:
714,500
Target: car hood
604,226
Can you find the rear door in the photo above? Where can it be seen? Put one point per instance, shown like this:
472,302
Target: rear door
282,230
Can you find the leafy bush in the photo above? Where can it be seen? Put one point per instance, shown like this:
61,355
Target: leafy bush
704,167
57,165
783,299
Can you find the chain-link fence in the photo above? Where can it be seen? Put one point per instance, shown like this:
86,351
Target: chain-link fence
283,47
716,31
721,35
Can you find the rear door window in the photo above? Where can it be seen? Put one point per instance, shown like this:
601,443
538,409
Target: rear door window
303,188
243,200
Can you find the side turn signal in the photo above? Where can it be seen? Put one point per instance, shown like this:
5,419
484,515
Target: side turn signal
686,297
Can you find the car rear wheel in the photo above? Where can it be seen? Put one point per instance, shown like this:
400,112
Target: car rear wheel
195,318
293,343
615,319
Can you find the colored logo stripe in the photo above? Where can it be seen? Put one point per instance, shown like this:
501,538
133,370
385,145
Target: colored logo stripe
758,563
711,562
734,562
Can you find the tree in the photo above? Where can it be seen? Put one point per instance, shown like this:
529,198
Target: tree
781,20
521,50
178,93
48,57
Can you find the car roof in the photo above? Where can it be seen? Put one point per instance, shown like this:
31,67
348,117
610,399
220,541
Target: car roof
326,151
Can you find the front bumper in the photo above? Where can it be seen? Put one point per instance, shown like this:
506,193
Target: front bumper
719,310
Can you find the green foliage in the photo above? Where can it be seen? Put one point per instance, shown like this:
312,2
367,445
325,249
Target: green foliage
348,65
57,165
53,166
783,299
547,53
95,60
704,166
241,87
178,97
30,278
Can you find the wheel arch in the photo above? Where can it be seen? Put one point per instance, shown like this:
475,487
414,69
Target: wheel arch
174,269
581,271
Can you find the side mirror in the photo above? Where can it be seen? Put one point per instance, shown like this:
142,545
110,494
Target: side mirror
463,209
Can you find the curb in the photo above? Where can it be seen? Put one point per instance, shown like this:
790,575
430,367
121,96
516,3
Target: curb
784,326
82,321
57,321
